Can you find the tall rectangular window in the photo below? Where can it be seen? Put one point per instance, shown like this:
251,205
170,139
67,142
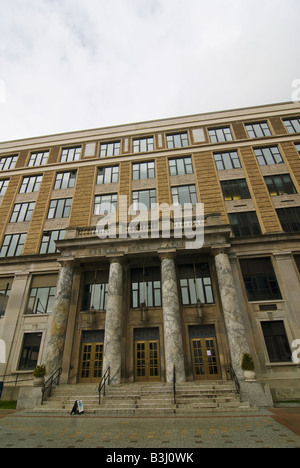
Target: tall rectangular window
95,290
13,245
31,184
260,280
70,154
143,199
227,160
5,288
141,171
289,218
110,149
107,175
181,166
65,180
177,140
60,208
195,284
280,184
292,125
105,204
38,159
218,135
146,287
22,212
276,341
30,351
268,156
235,189
244,224
7,163
3,186
184,194
42,294
48,244
258,130
143,145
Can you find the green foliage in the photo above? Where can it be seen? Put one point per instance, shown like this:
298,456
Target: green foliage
39,371
247,362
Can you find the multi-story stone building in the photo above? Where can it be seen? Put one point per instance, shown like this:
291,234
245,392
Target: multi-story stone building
142,305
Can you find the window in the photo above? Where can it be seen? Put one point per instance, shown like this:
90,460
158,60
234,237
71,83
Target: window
280,185
143,145
30,351
65,180
107,175
31,184
8,163
70,154
195,284
143,197
227,160
292,125
3,186
289,219
276,341
178,140
110,149
13,245
268,156
244,224
38,159
49,239
258,130
60,208
181,166
260,280
146,287
235,189
42,294
217,135
184,194
22,212
105,204
298,147
143,171
95,290
5,288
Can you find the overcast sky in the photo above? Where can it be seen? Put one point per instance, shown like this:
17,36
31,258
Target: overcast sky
68,65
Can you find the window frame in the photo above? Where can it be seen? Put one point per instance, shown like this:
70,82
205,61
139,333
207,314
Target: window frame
143,170
257,130
245,225
145,292
271,156
274,188
227,160
110,149
291,125
109,174
261,283
22,212
181,166
60,205
192,195
31,184
39,158
151,199
112,202
177,140
195,285
18,246
67,178
232,190
220,134
70,154
48,241
139,147
3,186
8,163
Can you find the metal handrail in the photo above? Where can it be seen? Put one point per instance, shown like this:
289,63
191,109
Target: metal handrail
15,381
49,383
235,379
174,384
106,377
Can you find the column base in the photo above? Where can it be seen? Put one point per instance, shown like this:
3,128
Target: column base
29,397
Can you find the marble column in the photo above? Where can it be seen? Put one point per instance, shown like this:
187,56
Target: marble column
113,323
236,333
172,320
59,320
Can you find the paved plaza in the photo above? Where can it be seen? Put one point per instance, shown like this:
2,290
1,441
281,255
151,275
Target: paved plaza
262,429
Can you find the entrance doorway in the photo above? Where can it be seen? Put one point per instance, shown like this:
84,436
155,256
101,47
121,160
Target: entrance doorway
91,358
204,353
147,355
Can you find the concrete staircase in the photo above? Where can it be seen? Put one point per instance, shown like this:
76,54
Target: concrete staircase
191,397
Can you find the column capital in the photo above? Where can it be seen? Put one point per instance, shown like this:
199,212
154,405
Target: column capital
116,258
220,249
67,262
167,254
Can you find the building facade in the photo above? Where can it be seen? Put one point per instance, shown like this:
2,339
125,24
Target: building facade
141,302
